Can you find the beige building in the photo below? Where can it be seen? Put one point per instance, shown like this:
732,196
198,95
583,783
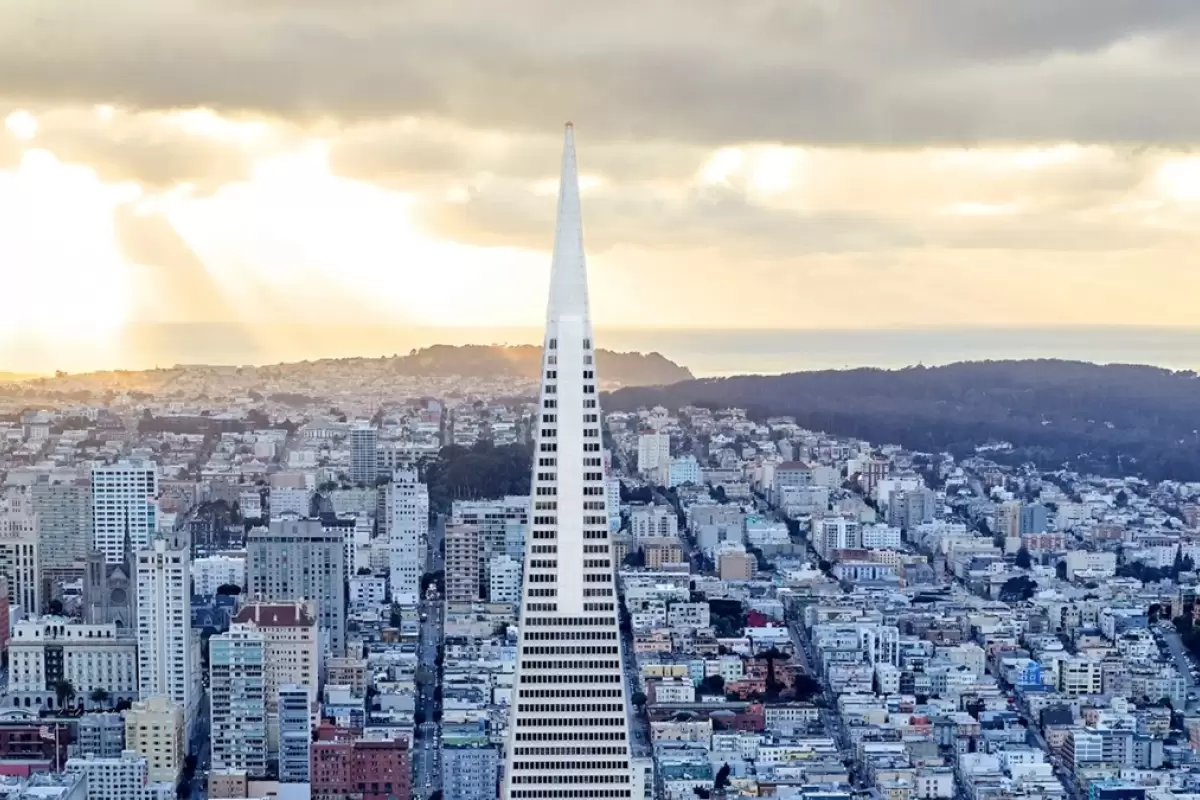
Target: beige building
736,566
154,728
661,551
350,672
20,561
292,640
462,563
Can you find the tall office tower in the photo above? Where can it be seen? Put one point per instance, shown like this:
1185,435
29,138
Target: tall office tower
65,514
290,634
124,504
462,563
19,560
409,514
295,733
296,559
570,690
237,684
364,462
166,664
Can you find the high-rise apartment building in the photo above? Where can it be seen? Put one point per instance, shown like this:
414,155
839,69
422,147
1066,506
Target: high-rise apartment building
469,770
20,564
409,513
569,689
502,524
296,559
64,512
292,709
237,687
291,637
364,462
154,728
654,454
654,522
166,651
124,504
462,563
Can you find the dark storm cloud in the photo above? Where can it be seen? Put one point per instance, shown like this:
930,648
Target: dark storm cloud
876,72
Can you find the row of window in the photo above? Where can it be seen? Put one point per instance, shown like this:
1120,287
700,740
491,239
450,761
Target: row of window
566,622
560,665
546,794
570,722
546,693
566,678
576,650
570,736
563,767
559,779
569,751
565,635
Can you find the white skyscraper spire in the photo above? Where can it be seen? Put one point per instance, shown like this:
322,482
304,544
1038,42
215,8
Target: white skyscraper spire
569,729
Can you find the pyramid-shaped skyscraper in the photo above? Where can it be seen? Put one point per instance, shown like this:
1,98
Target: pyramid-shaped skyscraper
569,727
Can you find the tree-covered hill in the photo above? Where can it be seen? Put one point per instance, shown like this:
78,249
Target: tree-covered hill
1114,419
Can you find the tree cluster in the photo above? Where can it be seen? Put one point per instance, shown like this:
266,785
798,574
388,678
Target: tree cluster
1110,420
481,471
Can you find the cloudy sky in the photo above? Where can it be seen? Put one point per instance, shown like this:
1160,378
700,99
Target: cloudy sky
808,164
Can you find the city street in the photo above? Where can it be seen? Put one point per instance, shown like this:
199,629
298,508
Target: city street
199,747
427,755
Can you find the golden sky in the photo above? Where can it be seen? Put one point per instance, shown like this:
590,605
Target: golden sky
759,164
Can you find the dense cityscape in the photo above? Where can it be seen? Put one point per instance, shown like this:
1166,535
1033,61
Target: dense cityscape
215,592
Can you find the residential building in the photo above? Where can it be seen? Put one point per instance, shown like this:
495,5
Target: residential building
296,559
291,638
295,732
408,534
364,461
212,572
237,686
289,500
791,473
837,533
93,658
101,733
504,580
653,522
365,769
124,507
64,512
462,563
685,470
167,651
1035,518
470,771
154,728
659,552
654,454
20,563
736,565
123,778
502,524
568,592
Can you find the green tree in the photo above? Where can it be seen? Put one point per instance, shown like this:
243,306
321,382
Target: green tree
99,696
639,700
1023,560
64,691
1122,499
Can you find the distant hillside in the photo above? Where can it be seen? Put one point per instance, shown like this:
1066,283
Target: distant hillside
1112,420
627,369
469,361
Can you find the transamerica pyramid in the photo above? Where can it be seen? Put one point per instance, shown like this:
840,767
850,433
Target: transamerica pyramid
569,727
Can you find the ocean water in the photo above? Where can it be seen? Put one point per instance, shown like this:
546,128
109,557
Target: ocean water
705,352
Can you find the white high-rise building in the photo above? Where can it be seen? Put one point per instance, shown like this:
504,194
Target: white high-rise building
504,580
654,453
166,654
124,502
409,499
364,462
569,687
